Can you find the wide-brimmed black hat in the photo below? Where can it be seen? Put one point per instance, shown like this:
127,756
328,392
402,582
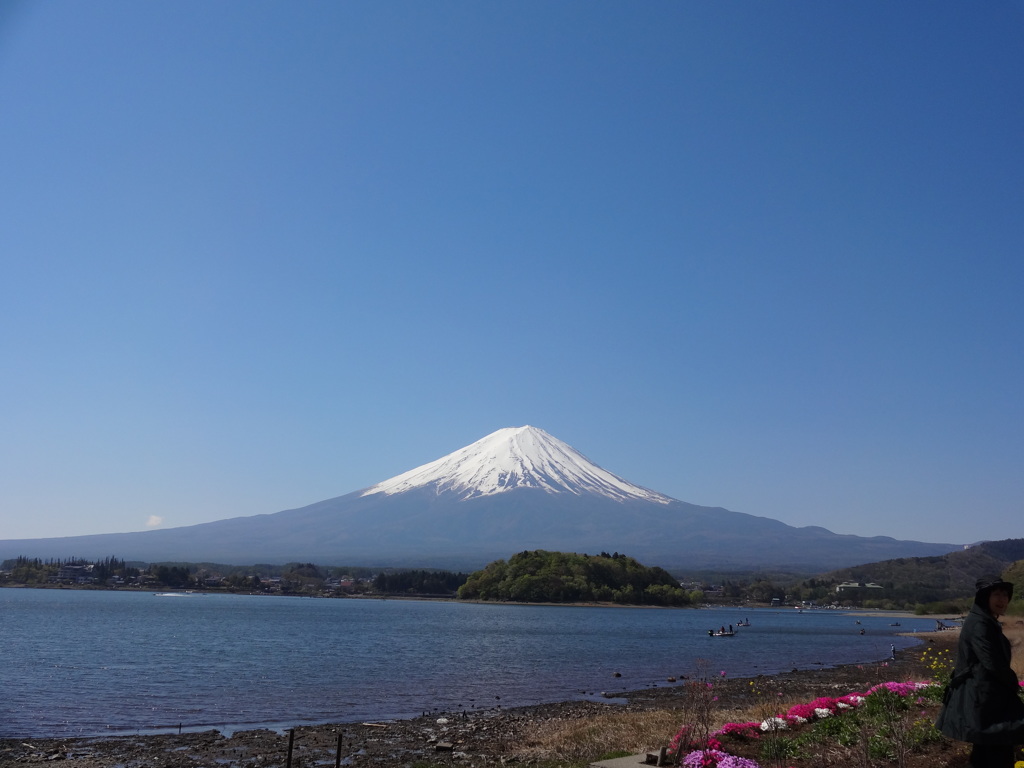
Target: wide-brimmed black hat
988,584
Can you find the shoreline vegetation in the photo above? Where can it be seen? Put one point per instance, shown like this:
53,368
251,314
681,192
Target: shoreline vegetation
936,585
570,733
948,616
627,584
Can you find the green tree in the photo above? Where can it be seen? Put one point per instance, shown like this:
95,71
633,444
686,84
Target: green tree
542,576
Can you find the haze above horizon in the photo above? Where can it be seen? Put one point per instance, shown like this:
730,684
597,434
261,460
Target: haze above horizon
764,257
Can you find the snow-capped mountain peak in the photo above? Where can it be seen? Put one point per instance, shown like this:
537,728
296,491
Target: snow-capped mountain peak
516,457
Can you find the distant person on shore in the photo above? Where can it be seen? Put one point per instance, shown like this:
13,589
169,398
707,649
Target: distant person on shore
982,703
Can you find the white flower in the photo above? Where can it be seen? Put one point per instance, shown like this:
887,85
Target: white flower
843,705
773,724
823,712
442,721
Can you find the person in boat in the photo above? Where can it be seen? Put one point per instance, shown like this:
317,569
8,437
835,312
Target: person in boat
982,703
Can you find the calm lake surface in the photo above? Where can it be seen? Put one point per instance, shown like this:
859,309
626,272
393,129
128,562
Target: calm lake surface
87,663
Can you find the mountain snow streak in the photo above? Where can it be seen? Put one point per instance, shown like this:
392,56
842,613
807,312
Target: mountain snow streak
516,457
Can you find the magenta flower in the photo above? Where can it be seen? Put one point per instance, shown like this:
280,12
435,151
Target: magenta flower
825,702
900,689
739,730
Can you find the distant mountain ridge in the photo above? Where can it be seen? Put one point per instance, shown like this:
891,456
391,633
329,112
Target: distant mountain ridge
515,489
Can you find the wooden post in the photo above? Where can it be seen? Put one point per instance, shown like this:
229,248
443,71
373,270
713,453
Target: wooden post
337,755
291,743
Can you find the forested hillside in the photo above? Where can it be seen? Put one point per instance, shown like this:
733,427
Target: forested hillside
935,579
559,577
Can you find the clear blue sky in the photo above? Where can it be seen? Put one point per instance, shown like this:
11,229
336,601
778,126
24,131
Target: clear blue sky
765,256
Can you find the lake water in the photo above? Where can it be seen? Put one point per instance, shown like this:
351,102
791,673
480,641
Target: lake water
93,662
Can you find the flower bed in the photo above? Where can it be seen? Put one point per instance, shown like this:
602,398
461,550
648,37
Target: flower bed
713,753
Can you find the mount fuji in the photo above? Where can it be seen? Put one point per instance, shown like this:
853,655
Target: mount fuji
516,489
514,458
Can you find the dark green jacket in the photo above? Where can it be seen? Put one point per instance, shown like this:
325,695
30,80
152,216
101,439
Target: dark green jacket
983,704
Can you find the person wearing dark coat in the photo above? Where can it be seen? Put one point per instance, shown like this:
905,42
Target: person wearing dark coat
982,704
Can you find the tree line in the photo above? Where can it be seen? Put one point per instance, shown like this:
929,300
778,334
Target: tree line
942,584
292,578
419,582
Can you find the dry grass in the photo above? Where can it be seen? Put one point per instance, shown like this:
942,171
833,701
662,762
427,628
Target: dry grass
576,740
1013,628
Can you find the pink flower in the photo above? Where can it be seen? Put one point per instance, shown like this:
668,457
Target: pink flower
825,702
803,712
739,730
900,689
680,740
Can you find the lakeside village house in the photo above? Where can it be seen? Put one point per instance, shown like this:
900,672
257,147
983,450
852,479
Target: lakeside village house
76,574
859,588
84,574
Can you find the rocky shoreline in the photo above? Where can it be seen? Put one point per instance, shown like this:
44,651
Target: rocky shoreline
480,737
